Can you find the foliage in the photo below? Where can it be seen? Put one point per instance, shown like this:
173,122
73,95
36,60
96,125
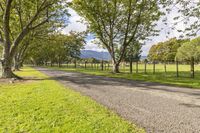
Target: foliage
189,51
165,51
46,106
19,17
117,23
133,52
57,48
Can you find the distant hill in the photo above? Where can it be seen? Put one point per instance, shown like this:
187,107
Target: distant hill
94,54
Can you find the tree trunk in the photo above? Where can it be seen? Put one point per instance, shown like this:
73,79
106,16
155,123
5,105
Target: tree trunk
165,67
145,67
177,71
102,65
192,68
85,65
137,67
16,64
131,66
7,69
116,68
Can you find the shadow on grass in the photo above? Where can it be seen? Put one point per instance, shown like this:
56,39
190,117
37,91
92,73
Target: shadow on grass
86,80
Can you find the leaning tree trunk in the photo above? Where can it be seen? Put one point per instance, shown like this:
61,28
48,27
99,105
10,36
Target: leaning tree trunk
16,64
116,68
131,66
7,68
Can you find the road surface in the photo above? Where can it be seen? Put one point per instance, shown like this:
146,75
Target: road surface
155,107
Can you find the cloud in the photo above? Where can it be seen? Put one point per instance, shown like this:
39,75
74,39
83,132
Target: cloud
74,23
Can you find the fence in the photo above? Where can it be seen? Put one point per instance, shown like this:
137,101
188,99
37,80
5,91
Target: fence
177,69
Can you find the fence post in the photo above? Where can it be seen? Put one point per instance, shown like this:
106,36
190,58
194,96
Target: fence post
177,71
145,67
192,68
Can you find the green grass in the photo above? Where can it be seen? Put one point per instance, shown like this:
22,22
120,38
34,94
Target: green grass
160,76
46,106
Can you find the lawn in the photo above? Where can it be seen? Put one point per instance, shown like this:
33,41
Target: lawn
44,105
160,76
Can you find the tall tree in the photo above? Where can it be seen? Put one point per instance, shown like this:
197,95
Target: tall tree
18,19
117,23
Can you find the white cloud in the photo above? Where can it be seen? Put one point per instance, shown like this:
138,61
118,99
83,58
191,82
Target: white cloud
74,23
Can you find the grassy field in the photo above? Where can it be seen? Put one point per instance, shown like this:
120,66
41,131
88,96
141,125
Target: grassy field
160,76
43,105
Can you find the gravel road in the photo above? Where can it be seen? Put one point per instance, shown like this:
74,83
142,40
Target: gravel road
155,107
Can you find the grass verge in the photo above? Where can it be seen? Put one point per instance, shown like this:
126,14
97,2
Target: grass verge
44,105
159,77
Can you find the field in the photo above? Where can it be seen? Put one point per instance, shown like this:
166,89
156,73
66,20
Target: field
160,76
43,105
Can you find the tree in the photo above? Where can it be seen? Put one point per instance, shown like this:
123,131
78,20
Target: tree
165,51
190,52
57,48
133,53
117,23
18,19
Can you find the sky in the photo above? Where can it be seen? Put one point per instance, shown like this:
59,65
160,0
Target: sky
76,25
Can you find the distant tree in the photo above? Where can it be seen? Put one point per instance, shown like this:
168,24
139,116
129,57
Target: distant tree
190,52
57,48
165,51
117,23
133,54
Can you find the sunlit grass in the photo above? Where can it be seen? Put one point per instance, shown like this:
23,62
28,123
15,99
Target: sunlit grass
46,106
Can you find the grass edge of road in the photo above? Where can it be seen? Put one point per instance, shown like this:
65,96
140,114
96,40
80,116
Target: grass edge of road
157,78
28,109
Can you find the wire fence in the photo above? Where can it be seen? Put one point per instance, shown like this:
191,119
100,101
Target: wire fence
175,69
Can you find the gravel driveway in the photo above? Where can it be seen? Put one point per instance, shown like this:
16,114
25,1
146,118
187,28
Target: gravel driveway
158,108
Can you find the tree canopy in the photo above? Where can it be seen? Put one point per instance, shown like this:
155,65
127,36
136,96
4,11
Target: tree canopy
189,51
117,23
165,51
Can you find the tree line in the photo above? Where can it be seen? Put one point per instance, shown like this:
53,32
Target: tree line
176,50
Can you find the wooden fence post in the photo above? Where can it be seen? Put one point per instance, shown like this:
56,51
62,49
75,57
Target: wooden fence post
177,70
145,67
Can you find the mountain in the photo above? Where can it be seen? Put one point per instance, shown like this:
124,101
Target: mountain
94,54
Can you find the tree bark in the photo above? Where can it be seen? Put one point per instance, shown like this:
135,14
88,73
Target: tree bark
177,70
116,68
102,65
16,64
7,69
131,66
137,67
165,67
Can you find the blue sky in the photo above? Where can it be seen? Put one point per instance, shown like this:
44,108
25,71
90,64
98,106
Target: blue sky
76,25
